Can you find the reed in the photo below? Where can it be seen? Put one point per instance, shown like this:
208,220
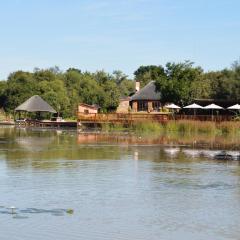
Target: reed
231,128
208,127
188,127
147,127
111,127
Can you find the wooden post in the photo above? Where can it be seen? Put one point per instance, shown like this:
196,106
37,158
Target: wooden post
150,106
135,106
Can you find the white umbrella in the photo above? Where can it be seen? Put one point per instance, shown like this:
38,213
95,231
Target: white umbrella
172,106
194,106
234,107
213,107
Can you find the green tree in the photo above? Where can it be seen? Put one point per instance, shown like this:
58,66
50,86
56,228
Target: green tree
145,74
177,82
20,86
54,92
3,86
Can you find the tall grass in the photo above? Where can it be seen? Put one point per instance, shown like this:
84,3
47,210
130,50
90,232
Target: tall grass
147,127
203,127
229,127
181,126
190,127
111,127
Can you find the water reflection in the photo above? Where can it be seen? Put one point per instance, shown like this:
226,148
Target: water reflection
172,152
23,147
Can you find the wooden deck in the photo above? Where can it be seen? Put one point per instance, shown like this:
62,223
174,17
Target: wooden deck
128,118
46,124
124,118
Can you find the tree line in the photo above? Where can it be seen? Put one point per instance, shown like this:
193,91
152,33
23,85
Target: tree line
181,83
65,90
178,82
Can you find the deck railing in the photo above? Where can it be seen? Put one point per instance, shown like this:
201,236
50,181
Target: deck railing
121,117
142,117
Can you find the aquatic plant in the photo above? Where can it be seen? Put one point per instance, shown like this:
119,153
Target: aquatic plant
147,127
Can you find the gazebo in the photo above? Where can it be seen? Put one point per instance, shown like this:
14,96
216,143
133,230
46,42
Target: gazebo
35,104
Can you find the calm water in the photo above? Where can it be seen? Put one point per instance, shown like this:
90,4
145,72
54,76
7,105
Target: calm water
118,188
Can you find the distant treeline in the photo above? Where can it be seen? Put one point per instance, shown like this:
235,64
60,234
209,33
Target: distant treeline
178,82
181,83
65,90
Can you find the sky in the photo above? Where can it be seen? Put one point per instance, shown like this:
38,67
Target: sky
117,35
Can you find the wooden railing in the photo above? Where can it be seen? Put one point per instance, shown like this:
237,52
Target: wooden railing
121,117
142,117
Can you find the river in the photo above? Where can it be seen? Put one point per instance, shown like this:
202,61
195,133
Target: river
69,186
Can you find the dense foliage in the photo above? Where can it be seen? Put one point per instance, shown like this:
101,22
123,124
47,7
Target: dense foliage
65,90
178,82
181,83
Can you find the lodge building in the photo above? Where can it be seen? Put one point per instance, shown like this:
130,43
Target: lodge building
146,99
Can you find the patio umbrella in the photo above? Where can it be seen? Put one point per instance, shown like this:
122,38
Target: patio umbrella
213,107
193,106
172,106
234,107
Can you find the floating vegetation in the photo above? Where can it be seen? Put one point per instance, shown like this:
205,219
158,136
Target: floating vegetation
17,216
70,211
16,213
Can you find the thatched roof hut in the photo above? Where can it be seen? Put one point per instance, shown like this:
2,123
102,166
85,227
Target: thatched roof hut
147,93
146,99
35,104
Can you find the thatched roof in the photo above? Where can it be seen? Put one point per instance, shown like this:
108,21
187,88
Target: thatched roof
94,106
35,104
148,92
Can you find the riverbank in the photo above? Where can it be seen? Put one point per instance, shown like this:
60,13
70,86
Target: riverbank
180,126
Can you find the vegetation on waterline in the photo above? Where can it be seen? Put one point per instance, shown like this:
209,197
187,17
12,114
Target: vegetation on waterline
181,126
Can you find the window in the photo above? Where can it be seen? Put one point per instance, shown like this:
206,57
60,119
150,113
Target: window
156,105
142,106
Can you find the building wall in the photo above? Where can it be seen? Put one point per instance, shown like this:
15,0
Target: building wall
134,106
145,106
123,106
84,109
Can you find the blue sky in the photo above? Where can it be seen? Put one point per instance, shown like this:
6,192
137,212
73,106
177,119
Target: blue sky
111,35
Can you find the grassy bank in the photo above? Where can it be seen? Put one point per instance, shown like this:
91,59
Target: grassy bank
181,126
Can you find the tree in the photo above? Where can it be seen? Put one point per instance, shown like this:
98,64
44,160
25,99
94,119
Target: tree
145,74
177,82
110,95
119,76
3,86
55,94
20,86
126,87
